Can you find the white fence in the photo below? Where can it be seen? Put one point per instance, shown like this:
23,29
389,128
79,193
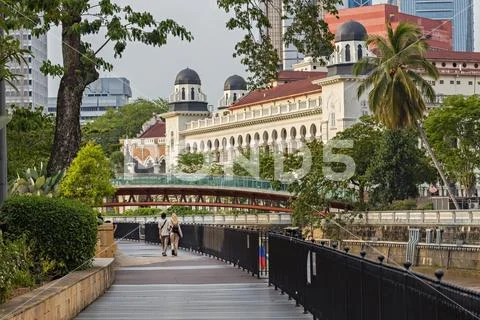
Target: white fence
461,217
241,219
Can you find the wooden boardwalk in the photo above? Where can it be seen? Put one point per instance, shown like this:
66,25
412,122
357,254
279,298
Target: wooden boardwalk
149,286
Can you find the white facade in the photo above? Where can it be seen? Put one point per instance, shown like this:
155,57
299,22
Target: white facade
31,84
286,121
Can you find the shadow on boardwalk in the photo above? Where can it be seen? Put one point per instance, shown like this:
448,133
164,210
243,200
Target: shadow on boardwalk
149,286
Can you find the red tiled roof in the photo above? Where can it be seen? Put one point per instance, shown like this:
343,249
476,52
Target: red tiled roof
291,75
155,131
283,91
458,56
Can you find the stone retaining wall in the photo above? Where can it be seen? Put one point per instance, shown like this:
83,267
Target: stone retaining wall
63,298
444,256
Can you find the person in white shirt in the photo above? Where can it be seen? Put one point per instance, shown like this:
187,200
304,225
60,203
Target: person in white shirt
164,227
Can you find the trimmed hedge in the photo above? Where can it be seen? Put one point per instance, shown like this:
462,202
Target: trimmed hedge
63,232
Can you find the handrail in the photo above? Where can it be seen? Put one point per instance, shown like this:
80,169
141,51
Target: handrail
419,217
215,219
332,284
202,180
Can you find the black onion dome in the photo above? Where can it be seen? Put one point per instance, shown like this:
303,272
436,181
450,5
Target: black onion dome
187,76
235,82
351,31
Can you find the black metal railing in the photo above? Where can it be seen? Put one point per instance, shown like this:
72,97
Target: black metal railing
152,234
127,230
335,285
237,246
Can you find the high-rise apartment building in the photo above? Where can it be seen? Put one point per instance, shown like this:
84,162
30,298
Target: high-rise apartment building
31,84
99,96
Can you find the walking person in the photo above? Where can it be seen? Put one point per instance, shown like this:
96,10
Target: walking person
164,233
175,233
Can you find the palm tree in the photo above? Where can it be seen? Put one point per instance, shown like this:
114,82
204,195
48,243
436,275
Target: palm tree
397,88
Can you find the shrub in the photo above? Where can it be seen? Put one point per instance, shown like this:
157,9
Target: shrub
403,205
16,266
88,177
63,232
143,212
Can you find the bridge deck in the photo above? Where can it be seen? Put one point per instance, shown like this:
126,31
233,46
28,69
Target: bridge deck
189,286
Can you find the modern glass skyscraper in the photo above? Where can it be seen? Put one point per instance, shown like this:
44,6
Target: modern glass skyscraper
359,3
460,12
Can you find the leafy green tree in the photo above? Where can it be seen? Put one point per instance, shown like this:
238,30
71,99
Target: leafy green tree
79,21
190,162
365,136
307,31
126,121
29,140
398,167
454,131
397,87
88,177
314,193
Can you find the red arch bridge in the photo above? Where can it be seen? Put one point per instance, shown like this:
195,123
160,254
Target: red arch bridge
201,192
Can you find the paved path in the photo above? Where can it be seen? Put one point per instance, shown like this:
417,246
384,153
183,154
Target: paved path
149,286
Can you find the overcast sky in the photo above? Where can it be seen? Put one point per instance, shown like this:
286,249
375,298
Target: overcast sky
152,71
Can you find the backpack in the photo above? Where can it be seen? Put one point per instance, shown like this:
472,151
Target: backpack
175,228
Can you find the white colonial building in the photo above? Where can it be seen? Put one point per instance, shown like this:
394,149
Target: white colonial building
300,106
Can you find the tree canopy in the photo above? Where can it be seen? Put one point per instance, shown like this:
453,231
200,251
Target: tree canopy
396,78
398,167
365,136
29,140
88,178
116,124
454,131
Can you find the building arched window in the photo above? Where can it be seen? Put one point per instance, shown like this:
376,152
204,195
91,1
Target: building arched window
234,97
192,94
359,52
226,97
183,93
347,53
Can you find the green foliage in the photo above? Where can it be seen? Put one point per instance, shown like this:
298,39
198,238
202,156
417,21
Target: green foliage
307,31
407,204
16,267
63,232
397,86
29,140
315,192
216,169
454,133
124,122
398,167
88,177
190,162
10,51
36,182
117,160
365,136
186,211
143,212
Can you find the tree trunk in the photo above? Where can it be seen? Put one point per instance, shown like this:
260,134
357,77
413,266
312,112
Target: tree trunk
77,75
437,164
361,194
